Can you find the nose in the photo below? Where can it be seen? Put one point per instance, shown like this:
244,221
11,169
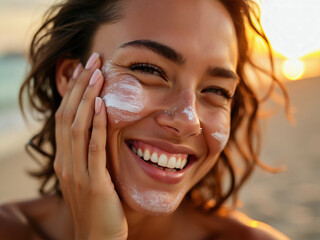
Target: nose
180,117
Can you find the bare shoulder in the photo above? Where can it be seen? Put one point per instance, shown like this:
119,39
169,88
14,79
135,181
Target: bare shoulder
227,224
26,219
13,223
236,225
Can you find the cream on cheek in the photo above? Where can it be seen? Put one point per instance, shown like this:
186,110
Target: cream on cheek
124,96
222,136
216,128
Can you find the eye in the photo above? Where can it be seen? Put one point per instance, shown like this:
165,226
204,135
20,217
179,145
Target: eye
219,91
148,68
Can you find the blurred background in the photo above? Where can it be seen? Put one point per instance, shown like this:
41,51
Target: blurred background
289,201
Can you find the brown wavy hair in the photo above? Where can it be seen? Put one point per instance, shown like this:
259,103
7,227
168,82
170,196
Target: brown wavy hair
67,32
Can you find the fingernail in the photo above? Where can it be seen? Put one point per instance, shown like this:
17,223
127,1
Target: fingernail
94,56
97,105
77,71
95,76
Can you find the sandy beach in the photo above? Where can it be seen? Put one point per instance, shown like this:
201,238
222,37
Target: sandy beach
290,201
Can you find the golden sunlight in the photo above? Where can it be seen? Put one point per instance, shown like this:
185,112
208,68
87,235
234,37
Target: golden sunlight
293,29
292,68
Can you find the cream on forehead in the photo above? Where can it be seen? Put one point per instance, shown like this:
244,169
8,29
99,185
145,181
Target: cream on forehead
124,95
222,136
155,201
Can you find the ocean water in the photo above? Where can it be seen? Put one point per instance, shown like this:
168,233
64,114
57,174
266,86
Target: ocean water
12,71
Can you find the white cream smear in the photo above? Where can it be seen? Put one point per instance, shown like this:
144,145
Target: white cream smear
222,136
124,94
190,112
155,201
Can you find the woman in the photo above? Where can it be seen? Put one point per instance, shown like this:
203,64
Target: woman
142,102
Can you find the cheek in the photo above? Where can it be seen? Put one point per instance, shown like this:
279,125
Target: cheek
222,136
217,131
124,99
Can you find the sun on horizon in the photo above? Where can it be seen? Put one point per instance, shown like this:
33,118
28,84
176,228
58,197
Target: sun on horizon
293,29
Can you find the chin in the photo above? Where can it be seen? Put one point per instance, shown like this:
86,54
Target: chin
150,201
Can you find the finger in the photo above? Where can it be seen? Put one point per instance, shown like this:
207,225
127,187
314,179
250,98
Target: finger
83,121
69,129
60,111
59,117
97,147
76,73
79,88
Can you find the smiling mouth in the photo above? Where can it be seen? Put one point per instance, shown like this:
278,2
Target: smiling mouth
160,159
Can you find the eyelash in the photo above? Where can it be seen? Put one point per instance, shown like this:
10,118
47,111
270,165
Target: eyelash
148,68
220,91
153,69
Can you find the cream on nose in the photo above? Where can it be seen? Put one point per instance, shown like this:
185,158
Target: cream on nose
186,107
178,114
183,115
190,113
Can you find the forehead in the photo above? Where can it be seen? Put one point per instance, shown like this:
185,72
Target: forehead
192,27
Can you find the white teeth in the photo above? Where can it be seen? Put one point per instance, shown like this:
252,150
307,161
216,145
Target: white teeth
178,163
139,152
163,160
146,155
154,157
183,163
171,162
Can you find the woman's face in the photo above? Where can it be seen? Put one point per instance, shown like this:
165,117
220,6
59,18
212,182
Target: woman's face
169,69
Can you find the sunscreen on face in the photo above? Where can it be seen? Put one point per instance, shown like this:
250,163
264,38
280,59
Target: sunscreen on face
123,94
190,113
155,201
222,136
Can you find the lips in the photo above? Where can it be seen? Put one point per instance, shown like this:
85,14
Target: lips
160,164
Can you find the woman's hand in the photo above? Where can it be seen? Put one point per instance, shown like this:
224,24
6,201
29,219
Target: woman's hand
80,162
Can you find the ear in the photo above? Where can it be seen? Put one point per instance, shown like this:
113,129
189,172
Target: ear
64,71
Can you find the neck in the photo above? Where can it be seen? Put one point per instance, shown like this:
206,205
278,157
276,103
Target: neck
148,226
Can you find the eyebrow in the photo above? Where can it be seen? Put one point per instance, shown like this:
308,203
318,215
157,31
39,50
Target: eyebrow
177,57
158,48
222,72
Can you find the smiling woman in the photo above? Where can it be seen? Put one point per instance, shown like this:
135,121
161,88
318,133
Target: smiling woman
145,105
